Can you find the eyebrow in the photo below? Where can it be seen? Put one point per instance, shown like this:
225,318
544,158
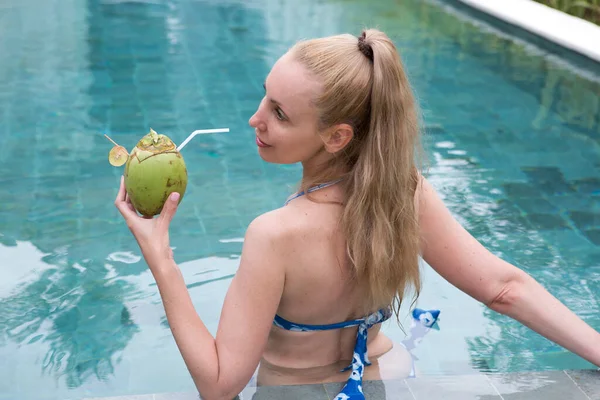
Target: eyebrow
273,100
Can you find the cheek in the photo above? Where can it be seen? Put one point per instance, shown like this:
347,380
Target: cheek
291,147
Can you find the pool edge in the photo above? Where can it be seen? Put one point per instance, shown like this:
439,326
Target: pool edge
583,384
556,26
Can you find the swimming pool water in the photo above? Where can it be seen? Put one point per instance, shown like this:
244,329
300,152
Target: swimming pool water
512,138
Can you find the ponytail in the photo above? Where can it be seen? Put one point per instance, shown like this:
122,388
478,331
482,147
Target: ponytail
365,86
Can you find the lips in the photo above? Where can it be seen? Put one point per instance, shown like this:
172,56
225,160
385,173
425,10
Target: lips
260,143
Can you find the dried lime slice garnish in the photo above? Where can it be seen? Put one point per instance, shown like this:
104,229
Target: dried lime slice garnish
118,156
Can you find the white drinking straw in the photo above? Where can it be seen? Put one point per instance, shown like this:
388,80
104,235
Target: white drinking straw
200,132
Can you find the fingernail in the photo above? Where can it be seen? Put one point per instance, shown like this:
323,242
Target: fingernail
174,196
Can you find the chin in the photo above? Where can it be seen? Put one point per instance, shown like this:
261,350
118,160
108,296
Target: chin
269,155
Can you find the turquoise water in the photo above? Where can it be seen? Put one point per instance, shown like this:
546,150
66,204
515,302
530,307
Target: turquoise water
512,135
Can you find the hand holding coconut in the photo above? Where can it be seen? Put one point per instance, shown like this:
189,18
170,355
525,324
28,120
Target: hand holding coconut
154,169
153,183
151,234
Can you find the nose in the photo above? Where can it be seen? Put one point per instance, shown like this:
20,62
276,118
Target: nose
257,122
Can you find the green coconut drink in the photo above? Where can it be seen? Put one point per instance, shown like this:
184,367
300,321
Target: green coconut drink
153,170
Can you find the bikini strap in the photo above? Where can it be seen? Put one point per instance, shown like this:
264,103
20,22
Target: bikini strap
352,390
312,189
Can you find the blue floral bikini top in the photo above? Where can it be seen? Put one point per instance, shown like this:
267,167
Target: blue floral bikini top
352,390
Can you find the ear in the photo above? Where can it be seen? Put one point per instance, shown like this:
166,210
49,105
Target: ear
338,137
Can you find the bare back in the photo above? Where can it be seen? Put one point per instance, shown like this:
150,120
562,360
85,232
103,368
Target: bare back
318,290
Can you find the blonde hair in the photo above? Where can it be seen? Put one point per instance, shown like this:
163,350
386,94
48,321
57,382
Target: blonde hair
364,85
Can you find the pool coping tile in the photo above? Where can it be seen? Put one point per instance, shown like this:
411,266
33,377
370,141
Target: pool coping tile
376,389
587,380
547,385
453,387
551,24
177,396
126,397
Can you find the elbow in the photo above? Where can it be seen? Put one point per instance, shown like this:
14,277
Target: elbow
510,293
211,394
217,392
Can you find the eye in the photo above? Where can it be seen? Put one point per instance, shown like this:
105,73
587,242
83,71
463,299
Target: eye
279,114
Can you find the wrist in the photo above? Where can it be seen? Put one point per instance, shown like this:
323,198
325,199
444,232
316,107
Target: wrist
162,265
157,258
596,359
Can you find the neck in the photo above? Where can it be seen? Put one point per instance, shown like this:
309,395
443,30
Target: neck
314,170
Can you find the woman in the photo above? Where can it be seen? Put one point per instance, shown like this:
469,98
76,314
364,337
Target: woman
345,247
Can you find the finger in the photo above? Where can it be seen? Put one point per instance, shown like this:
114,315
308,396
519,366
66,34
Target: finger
169,210
127,212
121,203
121,193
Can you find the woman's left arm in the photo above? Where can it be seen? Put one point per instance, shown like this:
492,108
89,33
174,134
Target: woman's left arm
464,262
